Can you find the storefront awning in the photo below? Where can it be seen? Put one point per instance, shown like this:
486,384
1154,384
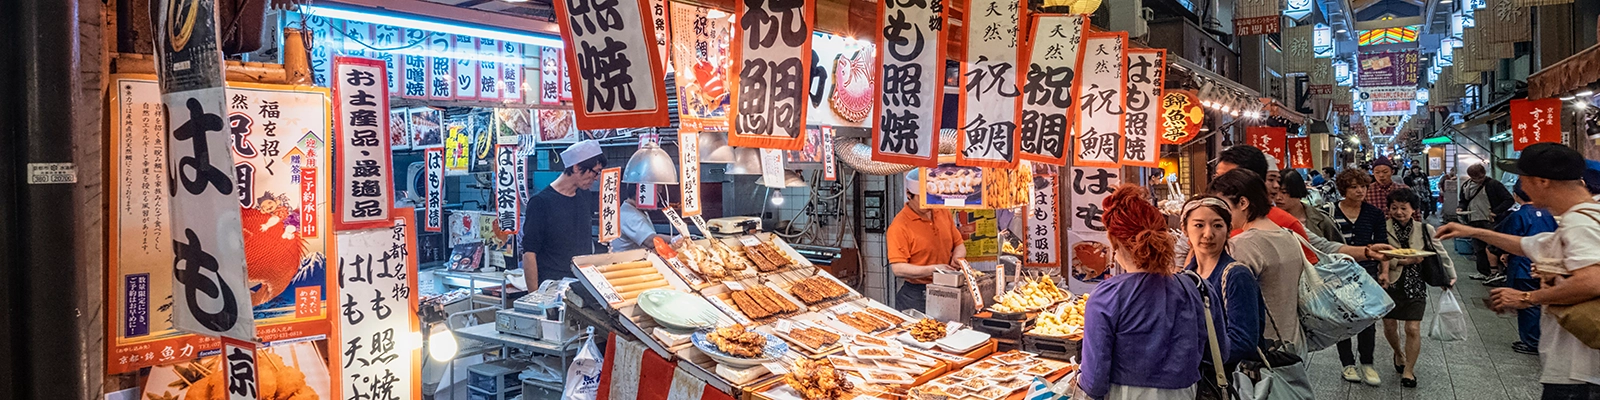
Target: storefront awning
1568,75
1211,76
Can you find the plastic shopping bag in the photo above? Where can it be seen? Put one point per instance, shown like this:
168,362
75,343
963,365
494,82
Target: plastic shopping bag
1338,300
583,377
1451,322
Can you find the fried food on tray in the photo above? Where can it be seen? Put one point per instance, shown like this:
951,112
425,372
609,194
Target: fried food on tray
817,289
761,301
768,257
886,316
275,381
927,330
817,380
814,338
737,341
863,322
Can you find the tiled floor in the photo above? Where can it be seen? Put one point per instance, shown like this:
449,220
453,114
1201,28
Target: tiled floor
1480,367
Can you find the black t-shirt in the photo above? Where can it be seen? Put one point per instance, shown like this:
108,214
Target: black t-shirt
557,228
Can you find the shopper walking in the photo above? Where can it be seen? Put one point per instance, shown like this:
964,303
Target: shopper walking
1144,330
1552,177
1525,219
1293,199
1481,200
1382,183
1361,224
1206,222
1418,180
1405,284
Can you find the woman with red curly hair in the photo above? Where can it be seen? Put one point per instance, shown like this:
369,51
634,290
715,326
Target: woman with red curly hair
1144,330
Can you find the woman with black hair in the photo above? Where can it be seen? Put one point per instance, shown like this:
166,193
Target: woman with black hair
1361,224
1292,199
1206,222
1409,292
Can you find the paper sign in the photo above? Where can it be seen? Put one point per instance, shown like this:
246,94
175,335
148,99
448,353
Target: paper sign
1147,70
610,204
676,220
749,241
441,69
364,186
511,72
830,171
689,174
239,358
550,76
699,223
1042,238
988,135
911,82
772,168
434,215
1090,187
729,310
612,58
376,297
734,285
488,69
507,202
1300,152
1049,102
464,50
601,284
1103,89
772,60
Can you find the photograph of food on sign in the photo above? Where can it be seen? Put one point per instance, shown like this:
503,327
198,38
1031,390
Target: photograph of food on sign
951,186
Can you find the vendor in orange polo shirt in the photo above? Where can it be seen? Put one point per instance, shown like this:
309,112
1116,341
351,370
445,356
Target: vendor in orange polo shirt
920,241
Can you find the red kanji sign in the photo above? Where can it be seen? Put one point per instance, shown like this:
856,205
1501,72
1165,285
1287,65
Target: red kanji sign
1300,152
1270,140
1535,121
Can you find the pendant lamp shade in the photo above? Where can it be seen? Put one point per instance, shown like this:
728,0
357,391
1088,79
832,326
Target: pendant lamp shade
714,148
650,165
746,161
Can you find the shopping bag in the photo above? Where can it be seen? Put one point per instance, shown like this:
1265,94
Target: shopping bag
1450,323
1338,300
583,377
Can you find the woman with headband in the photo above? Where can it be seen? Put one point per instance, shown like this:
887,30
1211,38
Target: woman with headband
1206,222
1144,330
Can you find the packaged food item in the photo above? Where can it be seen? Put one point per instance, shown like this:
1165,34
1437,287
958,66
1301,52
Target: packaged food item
874,353
869,340
888,378
1015,357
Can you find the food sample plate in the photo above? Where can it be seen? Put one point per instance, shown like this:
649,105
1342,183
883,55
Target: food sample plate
963,341
1408,253
678,310
771,352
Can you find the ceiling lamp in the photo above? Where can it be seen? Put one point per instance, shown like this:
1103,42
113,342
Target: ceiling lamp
792,178
650,165
746,161
714,148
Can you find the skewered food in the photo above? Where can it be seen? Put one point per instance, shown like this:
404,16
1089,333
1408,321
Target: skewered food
813,337
817,289
864,322
767,257
817,380
761,301
885,315
1065,321
1031,295
276,382
737,341
927,330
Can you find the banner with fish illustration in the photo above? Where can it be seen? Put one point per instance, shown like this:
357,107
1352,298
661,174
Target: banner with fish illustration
281,159
701,57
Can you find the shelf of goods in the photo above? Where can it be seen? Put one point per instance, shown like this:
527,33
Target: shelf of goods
730,311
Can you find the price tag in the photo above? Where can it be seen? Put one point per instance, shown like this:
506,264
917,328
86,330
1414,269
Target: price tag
749,240
700,223
601,284
772,168
675,220
735,285
955,202
845,308
972,284
784,326
776,367
684,271
727,309
1000,278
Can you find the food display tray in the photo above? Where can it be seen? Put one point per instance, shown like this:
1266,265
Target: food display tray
1008,332
1052,347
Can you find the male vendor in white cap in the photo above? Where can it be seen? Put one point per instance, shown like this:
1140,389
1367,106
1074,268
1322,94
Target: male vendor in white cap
920,241
559,221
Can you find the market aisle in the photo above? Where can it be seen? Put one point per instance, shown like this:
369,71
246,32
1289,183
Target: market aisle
1480,367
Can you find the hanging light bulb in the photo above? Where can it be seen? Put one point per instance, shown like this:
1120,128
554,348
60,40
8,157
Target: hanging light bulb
442,345
775,196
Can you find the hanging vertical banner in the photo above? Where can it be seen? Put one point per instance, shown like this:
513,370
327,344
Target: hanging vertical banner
414,67
689,174
1270,140
441,69
549,76
1147,69
612,57
1181,116
488,69
830,171
1535,121
1054,53
701,55
1300,152
1509,21
1257,17
511,71
364,184
1090,187
320,58
386,37
658,21
911,46
239,363
433,219
1044,223
772,59
988,136
464,49
1322,41
356,36
566,81
1320,81
210,296
1298,49
376,286
611,204
506,204
1103,92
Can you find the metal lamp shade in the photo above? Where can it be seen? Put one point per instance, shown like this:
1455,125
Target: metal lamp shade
714,148
650,165
746,161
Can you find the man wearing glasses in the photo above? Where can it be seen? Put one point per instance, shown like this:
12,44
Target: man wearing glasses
558,222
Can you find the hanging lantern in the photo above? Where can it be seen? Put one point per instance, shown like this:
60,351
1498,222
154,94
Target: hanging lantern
1181,116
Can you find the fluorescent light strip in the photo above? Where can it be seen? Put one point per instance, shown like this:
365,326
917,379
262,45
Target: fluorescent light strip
413,23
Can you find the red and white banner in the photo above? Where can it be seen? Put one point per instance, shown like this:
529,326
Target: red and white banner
433,217
772,61
239,367
1269,140
1103,86
488,69
632,371
441,69
611,204
1141,142
464,48
549,76
1300,152
1043,237
612,56
689,174
363,186
911,82
1535,121
989,85
1049,102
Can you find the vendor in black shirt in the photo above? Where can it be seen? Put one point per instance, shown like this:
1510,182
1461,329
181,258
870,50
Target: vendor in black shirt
559,221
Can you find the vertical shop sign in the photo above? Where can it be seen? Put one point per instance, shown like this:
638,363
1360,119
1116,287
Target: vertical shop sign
911,47
1102,97
549,76
442,70
376,284
364,185
1147,69
1043,224
1049,98
209,289
989,85
658,23
1535,121
1269,140
510,71
1300,152
1090,187
414,67
612,57
689,175
1298,48
488,69
386,37
464,49
321,59
356,36
566,81
772,60
610,204
433,220
830,171
506,204
239,365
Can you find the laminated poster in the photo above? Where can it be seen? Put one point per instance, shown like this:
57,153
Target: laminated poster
1090,260
844,87
441,70
988,134
399,134
463,50
415,68
480,126
702,57
1090,188
689,173
911,82
613,62
610,204
1049,102
488,69
1103,87
427,128
772,60
1042,237
507,201
952,186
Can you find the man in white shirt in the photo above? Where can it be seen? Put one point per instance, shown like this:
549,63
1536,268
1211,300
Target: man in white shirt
1552,175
